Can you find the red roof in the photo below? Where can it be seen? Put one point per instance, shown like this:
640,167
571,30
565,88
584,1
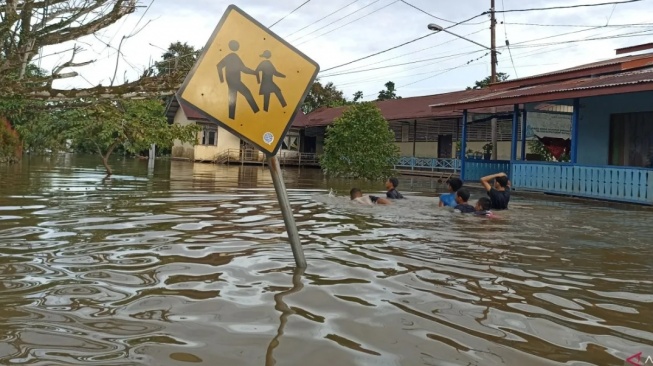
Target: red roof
191,114
594,68
623,82
403,109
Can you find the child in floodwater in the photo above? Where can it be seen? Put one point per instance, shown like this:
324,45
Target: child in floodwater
391,185
357,196
449,199
483,207
462,197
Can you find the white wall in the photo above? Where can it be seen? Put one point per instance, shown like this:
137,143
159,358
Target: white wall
182,150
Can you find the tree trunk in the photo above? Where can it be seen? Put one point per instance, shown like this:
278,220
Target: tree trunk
105,162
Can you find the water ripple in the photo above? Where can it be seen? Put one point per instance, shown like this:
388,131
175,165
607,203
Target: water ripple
189,264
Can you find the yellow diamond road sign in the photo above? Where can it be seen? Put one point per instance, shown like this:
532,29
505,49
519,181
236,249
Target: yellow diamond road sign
249,81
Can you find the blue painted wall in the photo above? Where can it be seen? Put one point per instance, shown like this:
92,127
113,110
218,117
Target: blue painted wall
594,125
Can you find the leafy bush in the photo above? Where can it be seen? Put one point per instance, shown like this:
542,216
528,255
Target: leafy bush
360,144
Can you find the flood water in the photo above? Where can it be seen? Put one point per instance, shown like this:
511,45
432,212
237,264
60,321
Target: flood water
188,264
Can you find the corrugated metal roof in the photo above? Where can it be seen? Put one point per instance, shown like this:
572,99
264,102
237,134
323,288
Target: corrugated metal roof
584,67
553,91
400,109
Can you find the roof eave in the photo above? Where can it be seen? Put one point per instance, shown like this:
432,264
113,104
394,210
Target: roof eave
545,97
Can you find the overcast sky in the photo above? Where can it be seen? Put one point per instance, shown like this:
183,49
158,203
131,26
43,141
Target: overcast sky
369,26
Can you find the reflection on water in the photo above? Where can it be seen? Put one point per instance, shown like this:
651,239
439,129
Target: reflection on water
189,264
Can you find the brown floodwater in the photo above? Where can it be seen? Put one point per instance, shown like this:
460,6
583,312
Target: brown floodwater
188,264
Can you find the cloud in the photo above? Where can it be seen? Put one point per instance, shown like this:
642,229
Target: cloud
375,25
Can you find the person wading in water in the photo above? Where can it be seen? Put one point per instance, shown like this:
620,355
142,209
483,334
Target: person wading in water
233,66
265,72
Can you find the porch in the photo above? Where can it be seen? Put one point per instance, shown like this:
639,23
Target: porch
610,142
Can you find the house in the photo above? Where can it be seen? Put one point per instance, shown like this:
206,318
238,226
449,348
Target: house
422,133
216,144
611,139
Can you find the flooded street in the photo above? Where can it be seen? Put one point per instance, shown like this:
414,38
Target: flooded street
190,265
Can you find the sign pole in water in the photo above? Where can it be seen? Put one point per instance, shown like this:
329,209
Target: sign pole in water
286,211
252,82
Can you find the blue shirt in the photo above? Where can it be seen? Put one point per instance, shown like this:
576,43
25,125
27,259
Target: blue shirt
448,199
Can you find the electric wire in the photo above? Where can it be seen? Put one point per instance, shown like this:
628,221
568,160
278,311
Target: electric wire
287,15
321,19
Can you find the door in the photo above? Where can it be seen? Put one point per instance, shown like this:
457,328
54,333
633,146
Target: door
248,152
445,145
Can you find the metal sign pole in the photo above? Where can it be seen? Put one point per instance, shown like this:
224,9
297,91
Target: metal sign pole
286,211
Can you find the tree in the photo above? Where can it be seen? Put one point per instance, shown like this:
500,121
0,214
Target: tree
179,57
133,124
501,76
389,92
358,96
360,144
26,26
323,96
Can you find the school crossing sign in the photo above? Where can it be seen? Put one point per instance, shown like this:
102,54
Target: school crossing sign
249,81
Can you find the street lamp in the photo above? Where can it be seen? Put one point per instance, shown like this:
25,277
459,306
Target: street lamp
439,28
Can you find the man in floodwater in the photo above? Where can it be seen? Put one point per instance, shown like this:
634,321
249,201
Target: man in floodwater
265,73
231,67
357,196
500,193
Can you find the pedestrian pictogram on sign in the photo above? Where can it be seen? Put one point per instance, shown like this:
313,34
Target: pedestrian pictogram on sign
249,80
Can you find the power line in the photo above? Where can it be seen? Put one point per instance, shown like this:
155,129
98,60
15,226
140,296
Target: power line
398,46
401,64
425,12
353,21
294,10
378,53
321,19
433,16
505,30
631,25
438,73
569,6
625,35
337,20
417,51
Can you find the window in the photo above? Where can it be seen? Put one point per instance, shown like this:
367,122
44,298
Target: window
210,136
631,139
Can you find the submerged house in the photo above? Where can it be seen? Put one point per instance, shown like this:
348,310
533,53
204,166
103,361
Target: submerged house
418,131
214,143
609,105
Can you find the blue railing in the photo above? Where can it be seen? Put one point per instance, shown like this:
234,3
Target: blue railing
432,164
476,169
622,184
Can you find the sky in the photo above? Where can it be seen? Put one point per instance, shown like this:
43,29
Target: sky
335,32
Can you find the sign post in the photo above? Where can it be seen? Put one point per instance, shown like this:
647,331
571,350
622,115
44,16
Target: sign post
252,82
286,211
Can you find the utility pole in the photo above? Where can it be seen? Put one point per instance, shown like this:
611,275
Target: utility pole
493,76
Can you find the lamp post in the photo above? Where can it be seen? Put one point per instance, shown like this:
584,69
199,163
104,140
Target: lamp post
493,77
439,28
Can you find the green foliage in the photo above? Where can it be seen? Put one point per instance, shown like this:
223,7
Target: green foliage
501,76
179,57
107,125
323,96
536,147
360,144
389,93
